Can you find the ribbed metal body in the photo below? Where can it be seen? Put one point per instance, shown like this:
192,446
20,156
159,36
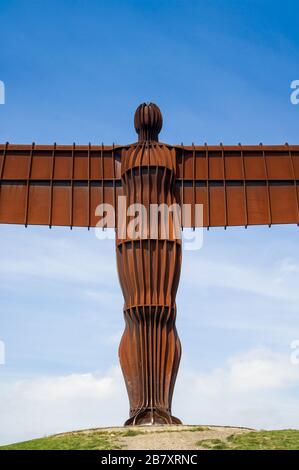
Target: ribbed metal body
149,271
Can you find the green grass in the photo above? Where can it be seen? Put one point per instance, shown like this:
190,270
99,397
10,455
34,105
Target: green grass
197,429
132,433
110,440
92,440
72,441
257,440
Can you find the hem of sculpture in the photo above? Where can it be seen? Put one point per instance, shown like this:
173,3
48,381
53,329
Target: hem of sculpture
152,416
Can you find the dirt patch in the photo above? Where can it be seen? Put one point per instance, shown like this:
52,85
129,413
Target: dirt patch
174,437
161,437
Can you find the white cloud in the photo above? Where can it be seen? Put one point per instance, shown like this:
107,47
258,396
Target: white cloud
45,405
253,389
289,265
59,257
244,391
275,280
261,369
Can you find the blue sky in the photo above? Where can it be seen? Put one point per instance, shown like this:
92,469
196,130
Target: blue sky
76,71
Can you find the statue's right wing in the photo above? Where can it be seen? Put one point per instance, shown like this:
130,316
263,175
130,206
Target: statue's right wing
239,185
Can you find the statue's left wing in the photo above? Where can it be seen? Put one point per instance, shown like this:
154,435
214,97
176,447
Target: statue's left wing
57,184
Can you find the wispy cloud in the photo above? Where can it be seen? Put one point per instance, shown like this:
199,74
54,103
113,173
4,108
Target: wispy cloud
254,389
54,256
51,404
249,390
276,280
231,291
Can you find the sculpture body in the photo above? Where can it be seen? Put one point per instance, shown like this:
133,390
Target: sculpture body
149,271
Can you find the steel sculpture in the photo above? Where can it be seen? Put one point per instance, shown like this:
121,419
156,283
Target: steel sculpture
63,185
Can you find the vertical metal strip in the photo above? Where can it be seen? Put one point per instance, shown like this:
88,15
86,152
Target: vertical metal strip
224,187
244,186
88,188
72,188
208,186
193,186
295,181
267,183
150,298
163,241
28,185
157,242
114,190
51,186
3,160
3,164
140,240
182,185
103,176
131,195
149,148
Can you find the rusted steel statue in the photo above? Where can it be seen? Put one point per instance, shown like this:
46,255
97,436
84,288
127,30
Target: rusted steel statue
149,272
63,185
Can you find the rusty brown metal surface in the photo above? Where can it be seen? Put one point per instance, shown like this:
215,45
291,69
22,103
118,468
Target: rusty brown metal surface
240,185
57,185
148,122
149,272
63,185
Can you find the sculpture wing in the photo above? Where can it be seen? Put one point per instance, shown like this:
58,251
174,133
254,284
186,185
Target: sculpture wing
63,185
252,185
57,185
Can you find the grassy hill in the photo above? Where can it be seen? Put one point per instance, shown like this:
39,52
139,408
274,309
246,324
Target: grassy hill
169,437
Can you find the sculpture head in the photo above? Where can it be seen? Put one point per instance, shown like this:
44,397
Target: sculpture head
148,122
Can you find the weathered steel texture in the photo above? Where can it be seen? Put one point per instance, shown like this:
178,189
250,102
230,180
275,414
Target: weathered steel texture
57,185
240,185
148,122
62,185
149,271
